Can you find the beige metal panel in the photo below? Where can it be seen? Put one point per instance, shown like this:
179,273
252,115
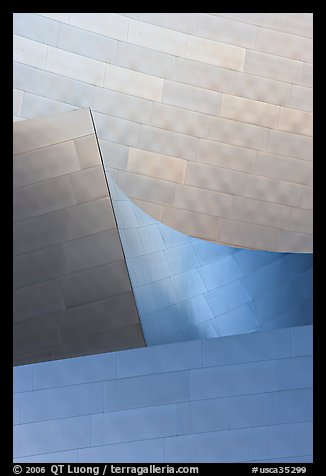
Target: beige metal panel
261,89
301,221
296,23
248,235
144,60
270,190
45,163
258,237
299,122
262,213
296,242
306,198
179,120
29,52
189,97
201,75
283,168
157,38
231,232
115,154
271,66
254,135
42,198
86,43
87,151
37,133
116,130
75,66
37,106
306,78
301,98
237,133
283,44
246,110
121,105
132,82
81,184
58,87
291,145
226,31
113,25
146,188
203,201
213,52
168,143
192,223
186,23
252,18
226,156
156,165
214,178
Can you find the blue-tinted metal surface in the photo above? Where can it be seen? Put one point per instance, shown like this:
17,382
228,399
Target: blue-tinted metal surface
239,398
187,288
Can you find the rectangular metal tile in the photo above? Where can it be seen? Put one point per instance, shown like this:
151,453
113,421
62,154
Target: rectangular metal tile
146,390
95,284
235,379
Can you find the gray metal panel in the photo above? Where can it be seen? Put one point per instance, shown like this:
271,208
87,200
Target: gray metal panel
72,291
38,266
92,250
37,300
95,284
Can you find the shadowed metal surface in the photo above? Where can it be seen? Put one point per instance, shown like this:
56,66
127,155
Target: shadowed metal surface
187,288
72,293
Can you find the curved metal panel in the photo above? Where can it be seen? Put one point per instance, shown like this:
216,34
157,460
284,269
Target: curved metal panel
187,288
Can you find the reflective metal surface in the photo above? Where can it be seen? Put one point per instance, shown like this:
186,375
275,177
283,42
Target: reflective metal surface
186,288
240,398
72,293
